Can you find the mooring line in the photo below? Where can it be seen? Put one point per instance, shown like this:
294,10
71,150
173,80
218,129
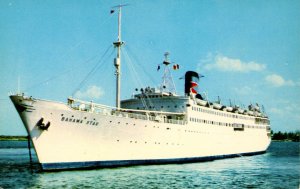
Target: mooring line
29,150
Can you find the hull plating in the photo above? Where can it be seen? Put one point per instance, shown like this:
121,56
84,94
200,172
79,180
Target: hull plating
80,139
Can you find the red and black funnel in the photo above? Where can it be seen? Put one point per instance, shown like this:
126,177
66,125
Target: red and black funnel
191,82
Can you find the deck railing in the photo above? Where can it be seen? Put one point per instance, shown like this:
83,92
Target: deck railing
155,116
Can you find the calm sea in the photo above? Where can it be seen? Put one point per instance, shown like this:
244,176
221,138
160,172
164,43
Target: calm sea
278,168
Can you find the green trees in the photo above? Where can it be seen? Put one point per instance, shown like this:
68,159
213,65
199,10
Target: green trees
286,136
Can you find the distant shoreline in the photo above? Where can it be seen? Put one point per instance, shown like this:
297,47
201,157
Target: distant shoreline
16,138
284,141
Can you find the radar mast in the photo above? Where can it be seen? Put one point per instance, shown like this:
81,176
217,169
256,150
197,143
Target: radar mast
167,79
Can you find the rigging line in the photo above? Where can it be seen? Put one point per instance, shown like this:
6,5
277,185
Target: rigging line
83,41
153,80
138,79
137,83
103,61
140,83
104,66
149,76
47,80
97,66
130,65
103,23
108,18
72,48
55,76
173,101
63,56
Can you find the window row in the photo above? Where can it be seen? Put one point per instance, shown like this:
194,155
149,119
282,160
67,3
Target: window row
153,107
219,113
197,120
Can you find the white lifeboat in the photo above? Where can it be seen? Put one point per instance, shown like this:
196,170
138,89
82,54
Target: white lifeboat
201,102
241,111
217,106
229,109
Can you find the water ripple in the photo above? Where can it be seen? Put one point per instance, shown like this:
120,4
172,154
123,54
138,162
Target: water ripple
278,168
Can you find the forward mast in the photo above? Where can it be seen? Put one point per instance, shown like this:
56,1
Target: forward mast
117,60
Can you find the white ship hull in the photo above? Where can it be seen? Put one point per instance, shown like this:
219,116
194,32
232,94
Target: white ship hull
82,139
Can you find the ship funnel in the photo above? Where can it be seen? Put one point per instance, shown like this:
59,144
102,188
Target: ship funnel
191,83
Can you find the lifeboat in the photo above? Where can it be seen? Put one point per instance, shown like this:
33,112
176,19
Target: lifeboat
201,102
217,106
249,112
229,109
241,111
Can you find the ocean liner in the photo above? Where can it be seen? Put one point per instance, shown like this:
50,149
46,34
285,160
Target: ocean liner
155,126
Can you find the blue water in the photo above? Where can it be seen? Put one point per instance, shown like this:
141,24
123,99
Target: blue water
278,168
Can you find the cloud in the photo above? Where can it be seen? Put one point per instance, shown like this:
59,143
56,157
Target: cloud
276,111
245,90
92,92
276,80
225,64
291,110
288,113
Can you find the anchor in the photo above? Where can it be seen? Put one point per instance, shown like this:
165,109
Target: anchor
42,125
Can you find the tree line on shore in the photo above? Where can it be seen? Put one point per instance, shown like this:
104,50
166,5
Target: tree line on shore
286,136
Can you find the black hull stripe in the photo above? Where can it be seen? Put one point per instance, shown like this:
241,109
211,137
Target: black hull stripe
120,163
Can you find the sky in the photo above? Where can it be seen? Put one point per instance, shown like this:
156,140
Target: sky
248,51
